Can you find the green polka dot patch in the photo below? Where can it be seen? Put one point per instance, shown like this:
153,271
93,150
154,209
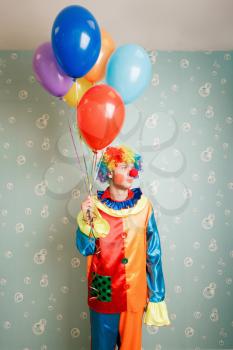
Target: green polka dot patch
101,287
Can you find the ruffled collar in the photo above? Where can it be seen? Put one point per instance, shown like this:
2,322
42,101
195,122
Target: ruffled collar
133,196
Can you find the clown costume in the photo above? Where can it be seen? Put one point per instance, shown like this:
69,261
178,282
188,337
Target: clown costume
124,267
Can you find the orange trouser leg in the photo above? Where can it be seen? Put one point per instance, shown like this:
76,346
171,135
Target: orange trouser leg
130,330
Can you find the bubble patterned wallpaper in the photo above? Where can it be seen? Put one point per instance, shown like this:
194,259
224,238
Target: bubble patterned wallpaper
183,127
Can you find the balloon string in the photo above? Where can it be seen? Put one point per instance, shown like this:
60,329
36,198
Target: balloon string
84,159
91,233
89,189
86,178
93,167
98,166
93,162
76,152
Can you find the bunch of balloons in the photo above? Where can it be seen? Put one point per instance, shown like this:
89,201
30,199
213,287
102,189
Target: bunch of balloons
78,57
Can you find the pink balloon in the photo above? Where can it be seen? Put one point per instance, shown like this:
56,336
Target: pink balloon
48,73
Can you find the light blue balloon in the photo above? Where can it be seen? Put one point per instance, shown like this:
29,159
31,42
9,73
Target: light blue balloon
129,71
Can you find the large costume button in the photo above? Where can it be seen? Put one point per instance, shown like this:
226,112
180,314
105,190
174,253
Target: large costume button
124,261
126,286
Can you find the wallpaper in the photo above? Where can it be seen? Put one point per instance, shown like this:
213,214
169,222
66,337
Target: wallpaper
183,127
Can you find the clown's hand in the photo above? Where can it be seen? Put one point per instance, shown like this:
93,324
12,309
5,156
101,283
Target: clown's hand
87,207
156,314
92,224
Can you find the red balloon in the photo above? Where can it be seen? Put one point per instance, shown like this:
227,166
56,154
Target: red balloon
100,116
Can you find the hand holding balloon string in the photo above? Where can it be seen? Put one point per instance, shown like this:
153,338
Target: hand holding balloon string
88,211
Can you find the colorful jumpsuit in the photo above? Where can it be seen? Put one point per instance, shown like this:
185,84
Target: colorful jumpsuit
124,271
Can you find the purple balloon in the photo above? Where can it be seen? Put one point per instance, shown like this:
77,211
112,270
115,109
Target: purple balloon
48,73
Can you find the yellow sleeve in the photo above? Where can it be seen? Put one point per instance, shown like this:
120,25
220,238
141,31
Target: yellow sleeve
100,226
156,314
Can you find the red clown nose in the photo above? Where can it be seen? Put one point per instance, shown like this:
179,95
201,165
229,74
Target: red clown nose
133,172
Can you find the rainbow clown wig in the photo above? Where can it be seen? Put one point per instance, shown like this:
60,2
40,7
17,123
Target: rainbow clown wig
115,155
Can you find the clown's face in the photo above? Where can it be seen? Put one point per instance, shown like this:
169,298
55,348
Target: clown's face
121,177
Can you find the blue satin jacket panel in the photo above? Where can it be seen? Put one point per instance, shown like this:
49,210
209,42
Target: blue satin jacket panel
155,279
85,244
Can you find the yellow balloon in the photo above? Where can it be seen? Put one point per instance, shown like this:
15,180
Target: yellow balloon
77,90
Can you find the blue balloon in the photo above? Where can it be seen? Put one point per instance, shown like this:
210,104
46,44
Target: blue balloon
129,71
76,40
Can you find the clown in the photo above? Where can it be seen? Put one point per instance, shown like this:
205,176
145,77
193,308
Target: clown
117,232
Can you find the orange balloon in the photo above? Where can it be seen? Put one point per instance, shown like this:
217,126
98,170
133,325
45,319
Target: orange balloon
97,72
100,116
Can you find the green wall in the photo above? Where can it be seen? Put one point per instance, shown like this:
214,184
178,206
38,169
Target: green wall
183,127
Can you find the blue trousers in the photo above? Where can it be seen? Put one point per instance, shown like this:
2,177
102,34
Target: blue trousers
121,329
104,331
